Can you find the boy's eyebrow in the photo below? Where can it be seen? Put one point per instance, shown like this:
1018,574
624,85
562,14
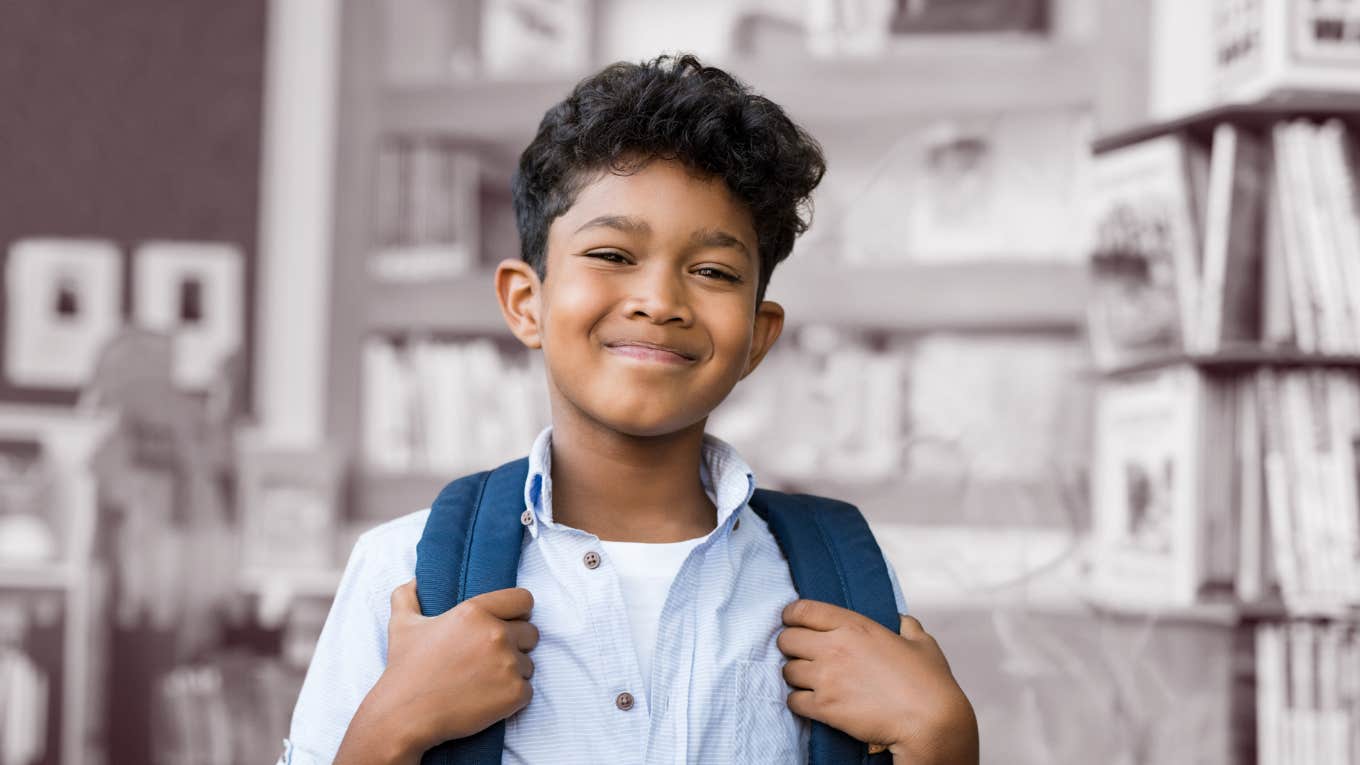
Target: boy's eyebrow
714,237
706,237
620,222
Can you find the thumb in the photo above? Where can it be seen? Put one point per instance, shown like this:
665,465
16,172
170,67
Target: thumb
404,600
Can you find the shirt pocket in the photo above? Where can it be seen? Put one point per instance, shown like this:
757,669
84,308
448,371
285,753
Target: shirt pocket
766,730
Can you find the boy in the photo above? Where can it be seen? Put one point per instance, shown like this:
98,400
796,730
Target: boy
652,206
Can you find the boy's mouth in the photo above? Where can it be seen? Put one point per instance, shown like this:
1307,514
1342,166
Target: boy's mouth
647,351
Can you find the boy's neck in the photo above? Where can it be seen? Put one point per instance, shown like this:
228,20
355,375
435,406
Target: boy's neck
630,489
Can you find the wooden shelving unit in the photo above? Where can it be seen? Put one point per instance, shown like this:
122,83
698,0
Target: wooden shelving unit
1258,115
1240,359
831,98
985,295
1237,619
934,79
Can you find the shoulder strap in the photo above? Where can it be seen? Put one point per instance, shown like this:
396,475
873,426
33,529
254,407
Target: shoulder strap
471,546
833,557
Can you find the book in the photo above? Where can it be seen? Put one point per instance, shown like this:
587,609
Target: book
1311,334
1279,504
1278,328
1147,525
1323,247
1337,184
1145,279
427,210
1251,576
1232,242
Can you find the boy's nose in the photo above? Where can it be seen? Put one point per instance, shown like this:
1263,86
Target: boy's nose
661,298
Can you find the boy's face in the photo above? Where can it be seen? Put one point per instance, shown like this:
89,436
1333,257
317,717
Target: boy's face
659,259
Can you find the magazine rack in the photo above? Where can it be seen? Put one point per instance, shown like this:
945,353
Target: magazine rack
1224,323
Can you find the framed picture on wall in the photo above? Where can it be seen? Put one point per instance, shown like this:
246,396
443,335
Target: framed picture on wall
63,302
288,503
192,291
912,17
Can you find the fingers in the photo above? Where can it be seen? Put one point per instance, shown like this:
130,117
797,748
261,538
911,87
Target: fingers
507,604
814,614
799,642
911,627
526,665
800,703
800,673
523,634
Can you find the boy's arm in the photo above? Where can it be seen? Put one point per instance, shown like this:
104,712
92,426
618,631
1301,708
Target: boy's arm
894,691
350,654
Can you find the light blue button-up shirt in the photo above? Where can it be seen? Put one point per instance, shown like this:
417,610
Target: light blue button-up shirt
718,694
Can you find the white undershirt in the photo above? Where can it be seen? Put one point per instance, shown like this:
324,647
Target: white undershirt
646,570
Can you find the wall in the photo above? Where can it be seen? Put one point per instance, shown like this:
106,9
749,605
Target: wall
132,120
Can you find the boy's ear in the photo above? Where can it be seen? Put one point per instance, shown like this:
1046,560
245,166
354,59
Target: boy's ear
518,291
769,323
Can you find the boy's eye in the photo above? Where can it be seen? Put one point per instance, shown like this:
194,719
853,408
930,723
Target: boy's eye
718,273
708,272
612,257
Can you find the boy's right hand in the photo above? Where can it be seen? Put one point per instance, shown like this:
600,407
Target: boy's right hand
452,675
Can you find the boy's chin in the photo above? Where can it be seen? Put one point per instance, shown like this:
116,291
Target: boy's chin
648,426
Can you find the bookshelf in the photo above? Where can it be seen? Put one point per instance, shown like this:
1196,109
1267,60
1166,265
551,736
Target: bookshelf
1235,360
1270,457
987,294
75,579
933,77
938,78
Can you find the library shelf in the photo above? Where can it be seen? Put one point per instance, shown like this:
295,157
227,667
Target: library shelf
953,77
1232,360
274,590
381,495
295,581
45,576
982,295
1258,115
464,303
976,295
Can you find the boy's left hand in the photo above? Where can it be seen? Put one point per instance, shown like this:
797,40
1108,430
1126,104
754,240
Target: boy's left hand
883,688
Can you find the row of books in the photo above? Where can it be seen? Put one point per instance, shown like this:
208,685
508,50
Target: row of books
1240,486
24,689
1246,241
951,409
427,207
447,406
433,40
1307,693
229,710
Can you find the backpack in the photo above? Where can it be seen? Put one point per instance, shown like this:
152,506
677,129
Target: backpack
471,545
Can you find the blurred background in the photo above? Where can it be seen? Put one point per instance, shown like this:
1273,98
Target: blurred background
1055,330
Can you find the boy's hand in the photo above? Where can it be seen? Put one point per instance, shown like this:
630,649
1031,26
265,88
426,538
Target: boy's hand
452,675
892,690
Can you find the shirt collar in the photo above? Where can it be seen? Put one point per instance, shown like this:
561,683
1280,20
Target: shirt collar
726,478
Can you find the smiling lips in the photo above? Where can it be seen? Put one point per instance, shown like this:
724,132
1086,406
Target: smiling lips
645,351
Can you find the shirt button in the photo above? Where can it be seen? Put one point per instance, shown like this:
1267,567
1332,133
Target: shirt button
624,701
592,559
527,517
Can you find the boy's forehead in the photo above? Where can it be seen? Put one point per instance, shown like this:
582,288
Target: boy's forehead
661,195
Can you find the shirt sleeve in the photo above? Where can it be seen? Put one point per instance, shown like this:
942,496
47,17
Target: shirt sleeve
897,588
350,656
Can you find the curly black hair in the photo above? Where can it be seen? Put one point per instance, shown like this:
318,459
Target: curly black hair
672,108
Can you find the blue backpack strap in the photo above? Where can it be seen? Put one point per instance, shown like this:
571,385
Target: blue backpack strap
833,557
470,546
